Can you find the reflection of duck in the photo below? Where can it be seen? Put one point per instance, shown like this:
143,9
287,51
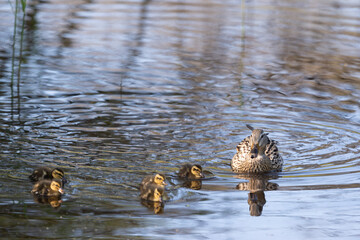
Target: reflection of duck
42,173
54,201
257,153
157,207
193,184
257,185
190,171
48,188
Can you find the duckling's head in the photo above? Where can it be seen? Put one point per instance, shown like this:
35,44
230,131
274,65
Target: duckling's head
59,174
56,186
159,179
196,170
258,142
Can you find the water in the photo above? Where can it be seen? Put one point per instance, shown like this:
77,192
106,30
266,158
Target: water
111,91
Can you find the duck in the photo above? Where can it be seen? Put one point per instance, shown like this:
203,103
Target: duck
48,188
42,173
157,180
152,193
191,171
257,153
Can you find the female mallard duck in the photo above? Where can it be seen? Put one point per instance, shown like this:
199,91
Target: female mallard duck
257,153
157,180
48,188
48,173
152,193
191,171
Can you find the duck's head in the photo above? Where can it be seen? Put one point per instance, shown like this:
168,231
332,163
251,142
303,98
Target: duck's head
196,170
159,179
59,174
56,186
258,142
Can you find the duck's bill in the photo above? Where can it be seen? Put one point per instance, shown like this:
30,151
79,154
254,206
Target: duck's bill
61,191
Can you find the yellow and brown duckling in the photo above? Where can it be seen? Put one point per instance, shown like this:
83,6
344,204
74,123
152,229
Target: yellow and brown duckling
48,188
152,187
42,173
257,153
191,171
157,180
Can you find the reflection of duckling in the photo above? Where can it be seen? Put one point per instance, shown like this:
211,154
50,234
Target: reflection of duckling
191,171
157,180
158,207
48,173
54,201
48,188
193,184
152,193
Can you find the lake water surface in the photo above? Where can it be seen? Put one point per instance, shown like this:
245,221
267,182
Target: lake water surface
112,91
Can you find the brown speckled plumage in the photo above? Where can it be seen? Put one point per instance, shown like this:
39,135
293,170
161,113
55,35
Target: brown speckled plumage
43,173
48,188
152,192
190,171
152,187
257,153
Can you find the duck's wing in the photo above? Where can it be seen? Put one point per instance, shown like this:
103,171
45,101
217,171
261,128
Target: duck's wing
273,153
184,171
146,181
40,173
244,147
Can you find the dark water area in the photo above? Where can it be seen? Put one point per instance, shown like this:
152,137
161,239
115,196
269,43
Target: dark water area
111,91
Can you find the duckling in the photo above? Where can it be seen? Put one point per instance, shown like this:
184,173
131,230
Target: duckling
42,173
157,180
152,193
48,188
191,171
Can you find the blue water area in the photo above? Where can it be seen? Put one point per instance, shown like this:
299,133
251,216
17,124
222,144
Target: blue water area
112,91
